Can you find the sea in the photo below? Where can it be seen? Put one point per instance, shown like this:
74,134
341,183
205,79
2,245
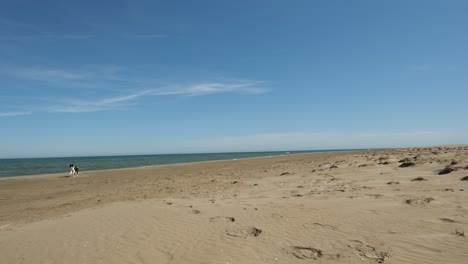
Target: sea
36,166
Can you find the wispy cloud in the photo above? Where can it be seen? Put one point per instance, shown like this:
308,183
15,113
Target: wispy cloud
191,90
33,32
214,88
122,89
42,74
146,36
46,37
98,105
398,134
30,31
89,77
18,25
80,36
8,114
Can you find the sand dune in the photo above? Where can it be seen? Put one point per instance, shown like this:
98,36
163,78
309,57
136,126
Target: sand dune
346,207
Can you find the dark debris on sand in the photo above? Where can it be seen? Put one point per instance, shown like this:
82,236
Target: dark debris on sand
407,164
419,179
446,170
459,232
422,201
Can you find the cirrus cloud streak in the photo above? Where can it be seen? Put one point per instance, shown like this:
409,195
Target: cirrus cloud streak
9,114
208,88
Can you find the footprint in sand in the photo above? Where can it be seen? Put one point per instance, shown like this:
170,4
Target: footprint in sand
312,225
447,220
375,195
304,252
419,201
459,232
218,219
244,232
369,252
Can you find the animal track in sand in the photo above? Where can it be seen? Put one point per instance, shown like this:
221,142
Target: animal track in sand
304,252
459,232
307,225
218,219
419,201
369,251
447,220
243,232
376,196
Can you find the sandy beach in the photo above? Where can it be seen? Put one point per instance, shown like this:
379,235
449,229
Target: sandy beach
378,206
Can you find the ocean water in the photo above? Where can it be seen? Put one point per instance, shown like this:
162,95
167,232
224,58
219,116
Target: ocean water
33,166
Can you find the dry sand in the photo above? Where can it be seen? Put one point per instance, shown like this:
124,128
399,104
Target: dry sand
346,207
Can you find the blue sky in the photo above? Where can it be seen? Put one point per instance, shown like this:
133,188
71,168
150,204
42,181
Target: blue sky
139,77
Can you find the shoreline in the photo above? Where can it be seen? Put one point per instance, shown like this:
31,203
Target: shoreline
190,162
47,175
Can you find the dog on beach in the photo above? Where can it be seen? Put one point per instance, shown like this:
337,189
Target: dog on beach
73,170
